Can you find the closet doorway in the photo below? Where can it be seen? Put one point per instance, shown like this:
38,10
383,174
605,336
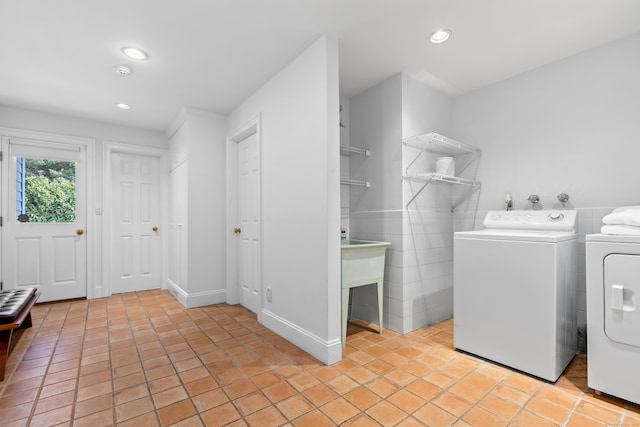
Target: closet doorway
134,219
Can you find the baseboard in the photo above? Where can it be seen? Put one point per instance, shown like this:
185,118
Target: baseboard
197,299
328,352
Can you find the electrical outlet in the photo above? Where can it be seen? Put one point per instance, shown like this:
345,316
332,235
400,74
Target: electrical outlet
269,296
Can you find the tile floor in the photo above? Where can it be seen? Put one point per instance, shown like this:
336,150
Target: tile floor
142,359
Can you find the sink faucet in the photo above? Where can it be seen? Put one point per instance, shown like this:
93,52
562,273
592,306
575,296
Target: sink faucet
508,200
534,203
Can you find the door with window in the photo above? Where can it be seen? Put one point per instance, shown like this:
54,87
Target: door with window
44,230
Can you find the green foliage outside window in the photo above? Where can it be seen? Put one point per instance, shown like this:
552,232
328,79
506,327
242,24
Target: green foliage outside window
50,191
51,168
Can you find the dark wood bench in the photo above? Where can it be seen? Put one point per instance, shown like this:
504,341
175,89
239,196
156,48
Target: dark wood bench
15,312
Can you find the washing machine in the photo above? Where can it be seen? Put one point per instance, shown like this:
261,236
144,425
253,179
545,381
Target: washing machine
613,320
515,290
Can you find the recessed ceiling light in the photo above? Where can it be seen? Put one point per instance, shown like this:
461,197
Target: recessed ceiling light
123,106
439,36
123,70
134,53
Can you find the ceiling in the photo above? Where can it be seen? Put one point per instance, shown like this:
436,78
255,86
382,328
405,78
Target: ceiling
59,56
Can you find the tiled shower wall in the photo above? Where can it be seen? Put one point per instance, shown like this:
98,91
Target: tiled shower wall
418,288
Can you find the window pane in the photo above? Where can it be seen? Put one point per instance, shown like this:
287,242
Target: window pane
45,190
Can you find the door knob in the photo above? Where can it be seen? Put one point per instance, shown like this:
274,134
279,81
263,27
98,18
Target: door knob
155,228
237,231
79,231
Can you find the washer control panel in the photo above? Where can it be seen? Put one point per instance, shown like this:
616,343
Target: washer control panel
551,220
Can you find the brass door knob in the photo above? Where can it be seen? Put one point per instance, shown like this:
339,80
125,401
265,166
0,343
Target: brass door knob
155,228
79,231
237,231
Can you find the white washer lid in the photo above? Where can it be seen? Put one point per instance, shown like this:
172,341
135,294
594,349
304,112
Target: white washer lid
517,235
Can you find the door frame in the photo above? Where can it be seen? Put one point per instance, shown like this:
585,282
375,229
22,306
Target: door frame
44,137
252,126
109,149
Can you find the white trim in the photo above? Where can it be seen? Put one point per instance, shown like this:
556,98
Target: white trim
109,148
45,136
328,352
90,176
182,116
205,113
199,299
177,292
242,132
176,123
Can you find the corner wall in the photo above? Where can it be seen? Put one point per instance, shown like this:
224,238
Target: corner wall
419,269
300,200
571,126
197,173
206,213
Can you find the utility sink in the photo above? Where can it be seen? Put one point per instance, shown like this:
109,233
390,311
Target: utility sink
362,243
362,264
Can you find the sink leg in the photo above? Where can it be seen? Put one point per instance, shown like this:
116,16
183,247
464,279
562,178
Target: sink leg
380,301
345,311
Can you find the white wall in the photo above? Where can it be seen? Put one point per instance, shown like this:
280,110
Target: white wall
344,164
418,273
17,118
300,170
375,116
207,212
67,125
197,230
427,253
571,126
424,109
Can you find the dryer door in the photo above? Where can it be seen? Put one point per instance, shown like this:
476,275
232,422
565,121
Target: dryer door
621,293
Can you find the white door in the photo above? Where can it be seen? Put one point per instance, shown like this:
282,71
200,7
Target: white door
135,219
248,230
43,238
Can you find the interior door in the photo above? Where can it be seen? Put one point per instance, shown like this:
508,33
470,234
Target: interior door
43,239
249,223
135,218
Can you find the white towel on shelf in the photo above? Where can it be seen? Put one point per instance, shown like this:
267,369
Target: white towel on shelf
624,217
624,208
628,230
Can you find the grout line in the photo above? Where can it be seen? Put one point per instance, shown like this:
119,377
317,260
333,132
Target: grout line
53,351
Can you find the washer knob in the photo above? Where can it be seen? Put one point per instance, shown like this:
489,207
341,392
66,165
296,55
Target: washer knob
556,216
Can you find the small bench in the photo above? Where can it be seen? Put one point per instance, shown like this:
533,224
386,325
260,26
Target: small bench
15,312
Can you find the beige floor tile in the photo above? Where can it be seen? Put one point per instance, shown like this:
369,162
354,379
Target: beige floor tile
294,407
142,359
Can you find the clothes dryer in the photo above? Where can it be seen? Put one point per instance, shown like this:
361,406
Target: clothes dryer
515,290
613,315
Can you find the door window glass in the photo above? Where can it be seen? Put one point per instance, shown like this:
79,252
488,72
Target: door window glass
45,190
